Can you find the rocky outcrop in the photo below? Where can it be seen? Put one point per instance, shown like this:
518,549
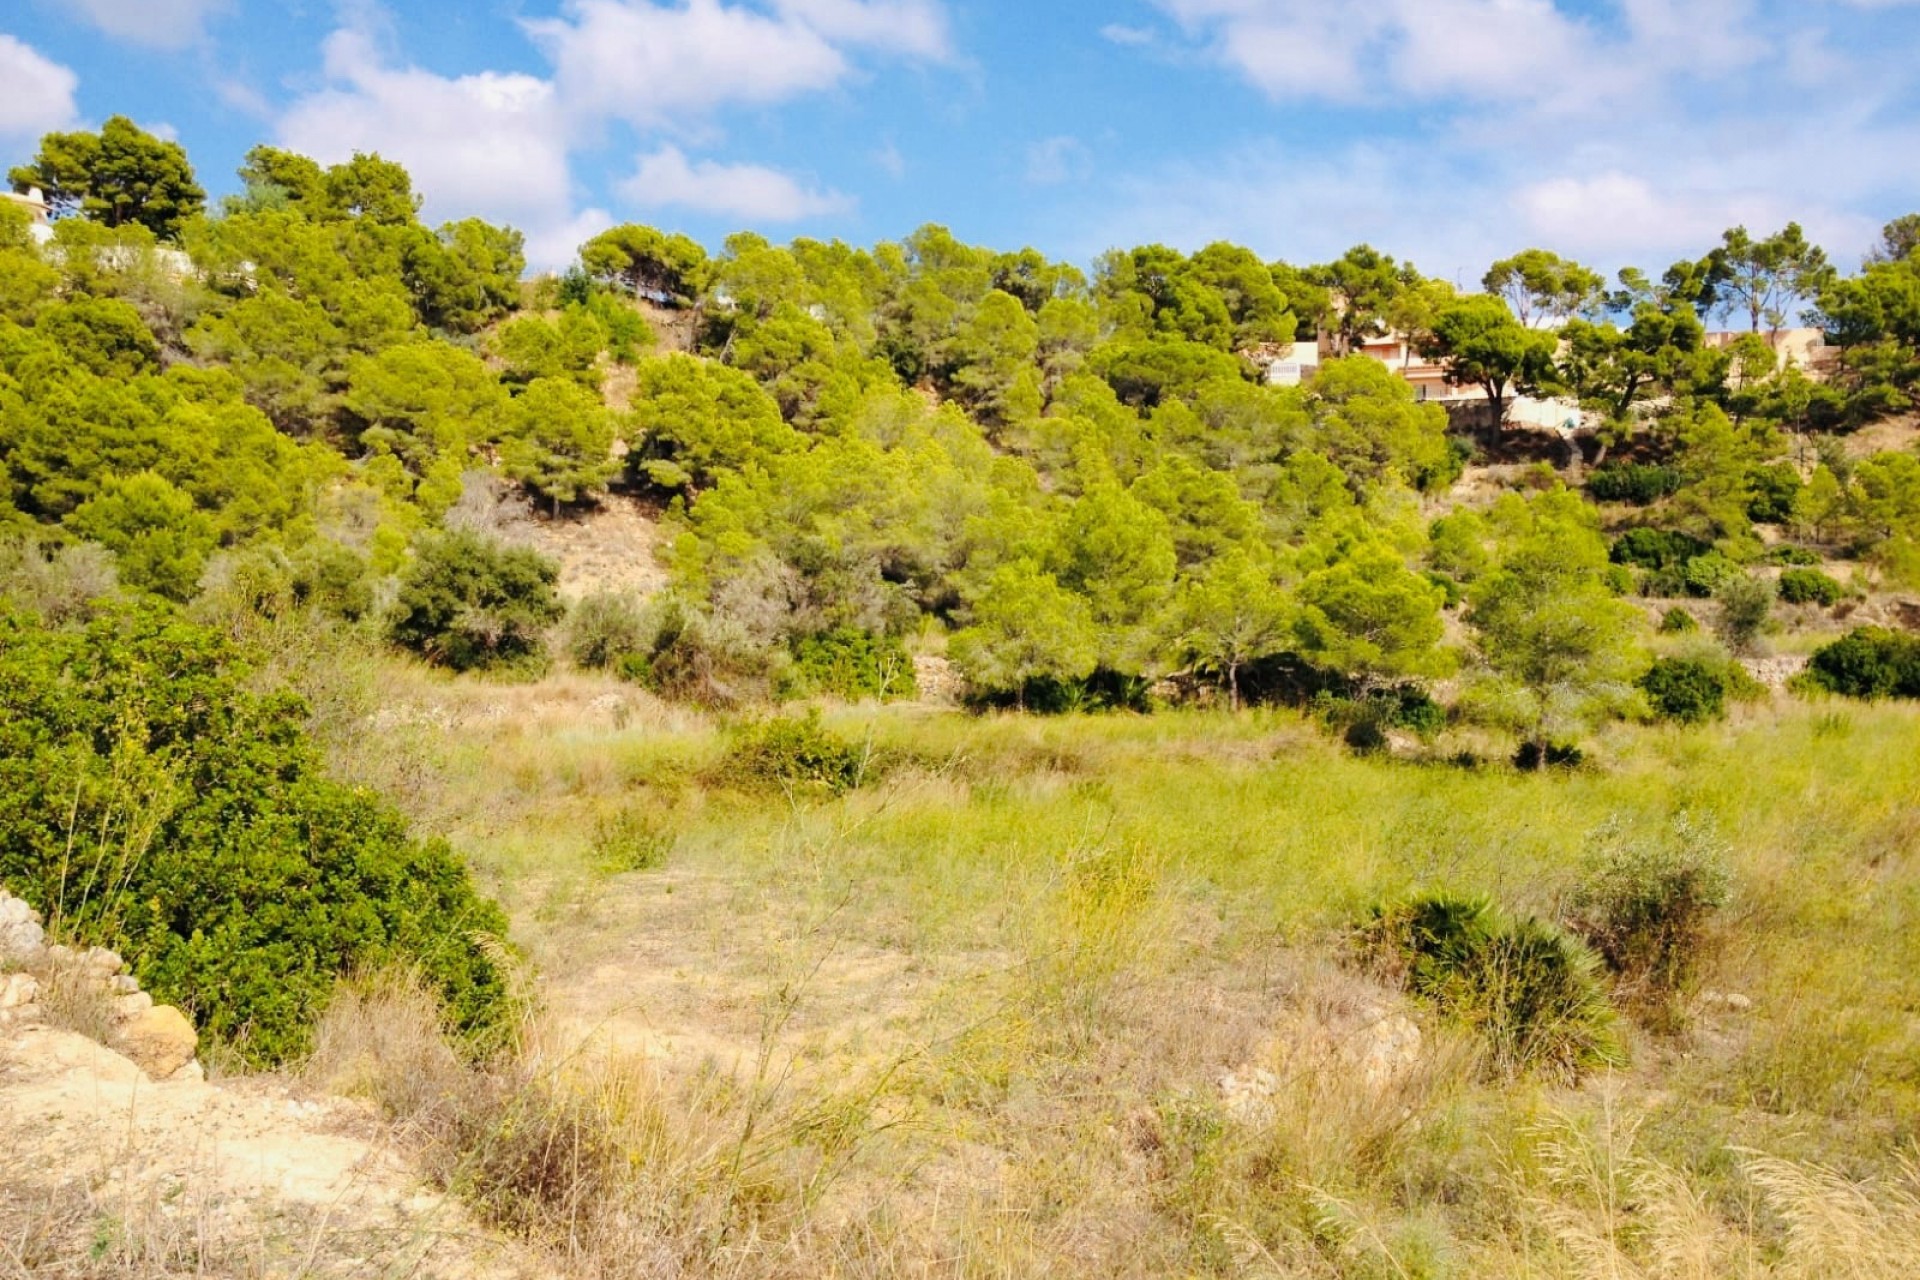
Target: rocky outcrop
1371,1045
159,1039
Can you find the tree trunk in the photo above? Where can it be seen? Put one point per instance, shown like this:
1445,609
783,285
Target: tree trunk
1233,687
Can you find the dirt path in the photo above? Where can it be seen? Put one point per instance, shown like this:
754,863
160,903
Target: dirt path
100,1160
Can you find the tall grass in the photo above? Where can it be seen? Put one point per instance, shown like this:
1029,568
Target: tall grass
972,1019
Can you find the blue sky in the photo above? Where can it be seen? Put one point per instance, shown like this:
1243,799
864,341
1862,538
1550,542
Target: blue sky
1448,132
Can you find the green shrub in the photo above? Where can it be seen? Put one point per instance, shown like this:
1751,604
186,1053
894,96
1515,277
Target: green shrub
1644,903
604,629
469,604
687,654
1870,662
1677,621
151,803
1774,488
334,579
1557,755
1688,690
1706,575
633,839
1634,482
853,664
1795,557
1656,548
1533,993
1810,586
1745,606
794,754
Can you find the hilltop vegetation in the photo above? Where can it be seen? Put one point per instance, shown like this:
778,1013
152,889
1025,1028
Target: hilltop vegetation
269,478
1078,485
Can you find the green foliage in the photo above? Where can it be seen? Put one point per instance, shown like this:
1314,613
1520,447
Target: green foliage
1677,621
1532,993
1644,903
1688,690
1869,662
632,839
159,540
1233,615
1562,649
1371,617
795,755
1810,586
1543,287
119,176
691,655
664,268
1367,423
851,664
603,629
151,803
1745,606
693,421
1776,488
533,347
1025,627
1483,346
559,440
471,604
1638,483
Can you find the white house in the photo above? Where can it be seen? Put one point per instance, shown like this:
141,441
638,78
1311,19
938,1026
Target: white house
39,212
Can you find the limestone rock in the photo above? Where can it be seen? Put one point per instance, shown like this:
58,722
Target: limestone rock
18,990
131,1005
22,940
160,1040
1384,1047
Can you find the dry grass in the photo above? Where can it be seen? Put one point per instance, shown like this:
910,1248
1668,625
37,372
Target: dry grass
973,1021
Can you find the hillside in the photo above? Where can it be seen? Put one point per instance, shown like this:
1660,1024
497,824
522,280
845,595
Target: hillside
925,760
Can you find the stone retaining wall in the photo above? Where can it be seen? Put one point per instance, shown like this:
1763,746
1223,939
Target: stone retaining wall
158,1038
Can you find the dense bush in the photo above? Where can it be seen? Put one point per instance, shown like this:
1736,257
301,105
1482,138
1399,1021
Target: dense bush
1644,903
1677,621
1810,586
1532,757
1745,606
794,754
605,628
1774,488
1871,662
687,654
470,604
1637,483
1688,690
1656,548
853,664
1794,557
149,802
1533,993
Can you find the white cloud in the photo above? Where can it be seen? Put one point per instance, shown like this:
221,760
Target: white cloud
917,28
650,65
164,24
552,244
490,145
655,65
1532,51
888,159
1051,161
1122,34
39,96
667,179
